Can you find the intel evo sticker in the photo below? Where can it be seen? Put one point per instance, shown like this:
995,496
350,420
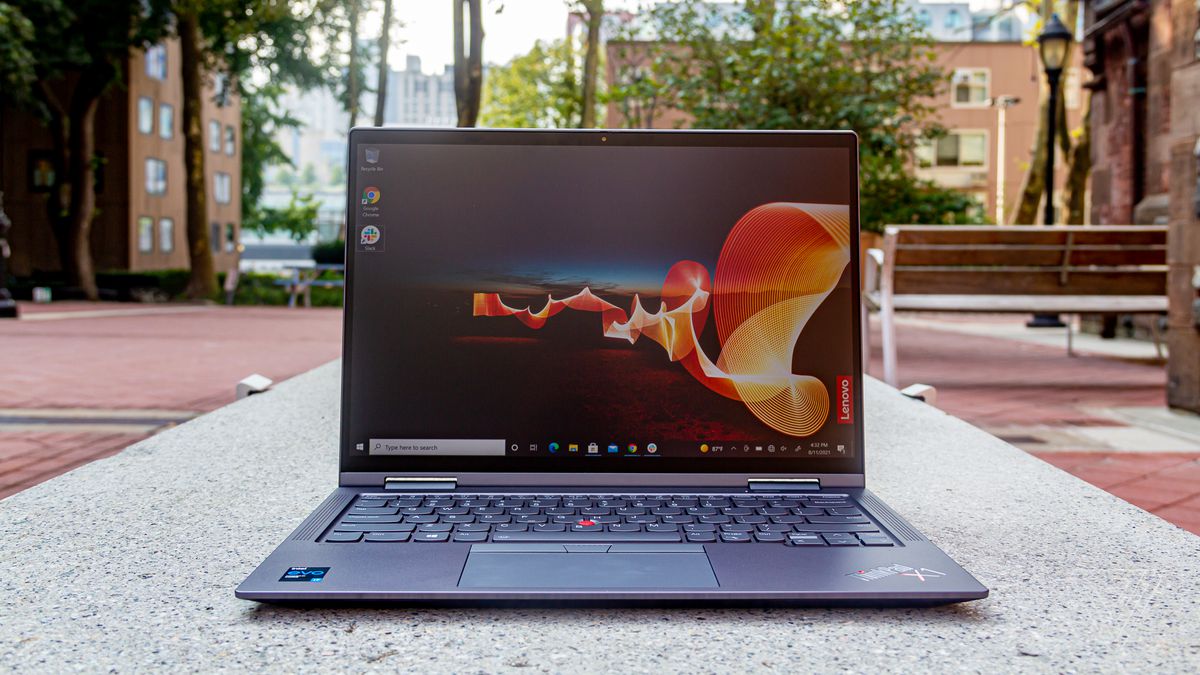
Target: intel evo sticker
309,574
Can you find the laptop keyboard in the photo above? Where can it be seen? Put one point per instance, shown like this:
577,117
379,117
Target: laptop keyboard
818,519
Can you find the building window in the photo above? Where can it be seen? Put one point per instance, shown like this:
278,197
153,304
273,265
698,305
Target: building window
156,62
156,176
145,234
214,236
222,187
230,238
967,149
166,235
924,19
166,121
145,115
953,19
971,87
214,135
229,140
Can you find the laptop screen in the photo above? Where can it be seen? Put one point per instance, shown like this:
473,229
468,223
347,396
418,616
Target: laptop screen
601,301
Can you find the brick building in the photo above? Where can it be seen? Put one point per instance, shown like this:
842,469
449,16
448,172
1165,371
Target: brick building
969,157
140,221
1145,128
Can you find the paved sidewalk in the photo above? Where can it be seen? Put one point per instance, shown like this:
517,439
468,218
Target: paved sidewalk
83,380
1101,418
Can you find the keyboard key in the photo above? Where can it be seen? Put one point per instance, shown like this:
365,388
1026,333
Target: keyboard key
796,539
354,518
388,511
870,539
435,527
737,527
458,519
750,520
678,520
774,527
420,519
343,537
848,527
417,511
787,519
431,536
808,512
700,527
768,536
586,537
593,527
511,527
472,527
735,537
715,519
470,536
836,540
837,519
375,527
662,527
550,527
388,536
495,519
371,503
626,527
844,512
701,537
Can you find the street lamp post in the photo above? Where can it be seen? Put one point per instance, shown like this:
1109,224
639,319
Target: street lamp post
1053,45
1001,103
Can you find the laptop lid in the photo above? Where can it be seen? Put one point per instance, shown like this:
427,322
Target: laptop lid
602,307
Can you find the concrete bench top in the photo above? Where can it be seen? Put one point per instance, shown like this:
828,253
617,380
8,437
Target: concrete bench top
130,563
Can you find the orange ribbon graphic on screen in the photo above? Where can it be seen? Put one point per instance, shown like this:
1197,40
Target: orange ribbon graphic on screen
779,262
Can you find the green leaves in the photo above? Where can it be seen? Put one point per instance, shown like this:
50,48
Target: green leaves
865,65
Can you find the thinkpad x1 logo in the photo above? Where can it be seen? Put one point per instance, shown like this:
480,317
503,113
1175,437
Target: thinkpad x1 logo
877,573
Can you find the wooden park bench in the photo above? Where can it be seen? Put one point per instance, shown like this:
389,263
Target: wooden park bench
1071,269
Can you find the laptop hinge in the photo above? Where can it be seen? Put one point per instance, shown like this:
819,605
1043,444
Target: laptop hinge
783,484
422,483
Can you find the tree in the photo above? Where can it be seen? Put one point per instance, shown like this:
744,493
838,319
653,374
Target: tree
1077,155
593,11
385,43
235,39
80,51
813,64
345,53
17,56
538,89
298,219
468,61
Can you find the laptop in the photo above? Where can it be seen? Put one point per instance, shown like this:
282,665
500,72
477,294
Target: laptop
604,365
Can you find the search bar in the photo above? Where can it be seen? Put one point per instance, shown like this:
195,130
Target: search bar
432,447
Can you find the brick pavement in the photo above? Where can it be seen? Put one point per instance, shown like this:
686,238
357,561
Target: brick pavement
187,359
106,358
1001,384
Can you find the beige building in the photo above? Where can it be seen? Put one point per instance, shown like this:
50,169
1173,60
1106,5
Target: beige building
979,155
140,221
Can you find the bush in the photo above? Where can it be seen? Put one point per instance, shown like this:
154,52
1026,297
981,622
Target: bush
329,253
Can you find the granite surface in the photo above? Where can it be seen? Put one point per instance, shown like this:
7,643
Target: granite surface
129,564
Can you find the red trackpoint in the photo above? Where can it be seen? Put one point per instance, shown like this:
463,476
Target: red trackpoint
585,523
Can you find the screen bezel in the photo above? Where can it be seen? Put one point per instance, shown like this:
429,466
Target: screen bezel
350,462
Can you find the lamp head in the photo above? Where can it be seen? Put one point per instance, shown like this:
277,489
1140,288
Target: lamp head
1053,44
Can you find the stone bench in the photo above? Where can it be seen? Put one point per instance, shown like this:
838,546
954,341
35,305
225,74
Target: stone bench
129,564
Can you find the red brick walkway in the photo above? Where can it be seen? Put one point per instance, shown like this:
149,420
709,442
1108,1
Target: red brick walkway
1000,383
96,362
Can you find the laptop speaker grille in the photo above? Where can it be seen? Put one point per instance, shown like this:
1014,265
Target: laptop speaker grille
890,518
317,521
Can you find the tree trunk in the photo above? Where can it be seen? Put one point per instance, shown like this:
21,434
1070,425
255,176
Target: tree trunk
1080,166
591,61
202,283
1033,186
385,42
76,248
352,84
468,65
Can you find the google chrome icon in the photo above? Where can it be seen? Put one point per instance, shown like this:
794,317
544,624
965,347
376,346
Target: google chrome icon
370,195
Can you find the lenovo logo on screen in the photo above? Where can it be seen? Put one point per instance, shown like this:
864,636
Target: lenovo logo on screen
845,400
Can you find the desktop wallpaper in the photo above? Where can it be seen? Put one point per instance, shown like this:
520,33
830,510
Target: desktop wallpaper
678,296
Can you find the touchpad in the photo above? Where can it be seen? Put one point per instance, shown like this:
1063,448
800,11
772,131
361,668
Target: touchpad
588,566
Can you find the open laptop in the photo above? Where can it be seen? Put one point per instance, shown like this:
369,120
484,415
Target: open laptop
604,365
